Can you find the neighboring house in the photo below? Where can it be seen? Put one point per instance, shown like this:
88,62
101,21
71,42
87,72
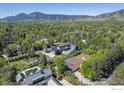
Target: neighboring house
66,48
63,47
58,49
39,78
50,54
71,49
35,76
19,78
31,71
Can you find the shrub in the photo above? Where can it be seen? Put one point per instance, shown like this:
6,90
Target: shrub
72,79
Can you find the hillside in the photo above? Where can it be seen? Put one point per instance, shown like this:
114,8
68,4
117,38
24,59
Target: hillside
42,17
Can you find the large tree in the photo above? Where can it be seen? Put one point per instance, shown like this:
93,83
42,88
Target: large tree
61,67
118,76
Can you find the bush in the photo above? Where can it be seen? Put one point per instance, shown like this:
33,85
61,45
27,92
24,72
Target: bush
72,79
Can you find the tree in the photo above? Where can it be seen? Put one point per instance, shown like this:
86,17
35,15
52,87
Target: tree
31,51
11,50
61,67
121,41
118,76
80,45
94,68
2,62
7,75
43,59
38,45
102,63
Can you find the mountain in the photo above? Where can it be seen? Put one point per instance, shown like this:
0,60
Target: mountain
38,16
21,16
42,17
116,15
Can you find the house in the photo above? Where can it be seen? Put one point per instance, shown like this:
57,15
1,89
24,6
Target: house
19,78
73,63
66,48
39,78
33,76
57,49
63,47
70,50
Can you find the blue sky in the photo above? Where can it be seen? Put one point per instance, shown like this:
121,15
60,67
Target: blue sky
69,9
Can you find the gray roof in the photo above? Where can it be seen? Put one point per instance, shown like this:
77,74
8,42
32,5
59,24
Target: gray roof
64,47
53,81
19,77
40,77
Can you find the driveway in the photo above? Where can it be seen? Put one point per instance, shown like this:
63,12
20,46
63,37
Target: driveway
64,82
83,79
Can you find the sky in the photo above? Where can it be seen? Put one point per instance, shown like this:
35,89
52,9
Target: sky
11,9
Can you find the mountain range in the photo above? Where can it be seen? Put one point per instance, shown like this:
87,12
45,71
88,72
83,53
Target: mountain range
42,17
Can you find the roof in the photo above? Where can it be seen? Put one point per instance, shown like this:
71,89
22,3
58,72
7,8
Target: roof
53,81
30,71
19,77
40,77
73,63
64,47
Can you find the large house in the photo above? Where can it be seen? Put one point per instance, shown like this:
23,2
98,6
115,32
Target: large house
34,76
60,49
67,48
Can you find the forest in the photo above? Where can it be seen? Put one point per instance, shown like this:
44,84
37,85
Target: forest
104,43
